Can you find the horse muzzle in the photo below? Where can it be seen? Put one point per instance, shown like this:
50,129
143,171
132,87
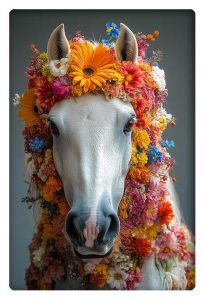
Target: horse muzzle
92,235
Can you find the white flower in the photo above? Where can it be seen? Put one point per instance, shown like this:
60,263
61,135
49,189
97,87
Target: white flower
41,174
124,260
58,67
172,272
16,100
37,256
117,278
162,115
154,180
159,77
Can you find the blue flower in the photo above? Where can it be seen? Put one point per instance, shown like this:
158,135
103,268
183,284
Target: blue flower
153,154
168,144
108,43
112,29
36,145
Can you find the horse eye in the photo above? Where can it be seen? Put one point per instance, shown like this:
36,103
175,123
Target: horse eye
128,126
54,128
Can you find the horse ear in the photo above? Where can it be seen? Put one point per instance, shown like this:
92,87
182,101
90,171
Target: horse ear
58,46
126,48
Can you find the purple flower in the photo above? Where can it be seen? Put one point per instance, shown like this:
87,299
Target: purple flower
61,86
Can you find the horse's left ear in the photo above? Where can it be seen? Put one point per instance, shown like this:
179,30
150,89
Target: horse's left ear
58,46
126,48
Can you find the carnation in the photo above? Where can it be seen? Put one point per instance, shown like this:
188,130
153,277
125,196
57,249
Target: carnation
159,77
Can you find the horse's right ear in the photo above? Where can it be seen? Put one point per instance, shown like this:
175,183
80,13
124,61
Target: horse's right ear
126,48
58,46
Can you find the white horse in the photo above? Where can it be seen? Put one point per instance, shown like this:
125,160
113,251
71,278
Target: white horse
91,153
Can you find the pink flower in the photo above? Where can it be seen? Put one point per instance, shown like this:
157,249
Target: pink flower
142,45
61,86
137,207
134,279
169,246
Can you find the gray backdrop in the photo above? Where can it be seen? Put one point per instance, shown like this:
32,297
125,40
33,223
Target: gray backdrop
176,40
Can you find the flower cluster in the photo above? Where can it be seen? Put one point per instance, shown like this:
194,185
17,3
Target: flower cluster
145,211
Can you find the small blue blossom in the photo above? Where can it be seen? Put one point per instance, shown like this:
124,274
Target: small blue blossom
108,43
168,144
112,29
36,145
153,154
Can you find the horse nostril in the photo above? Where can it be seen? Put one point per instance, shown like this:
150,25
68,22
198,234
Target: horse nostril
73,228
109,231
114,227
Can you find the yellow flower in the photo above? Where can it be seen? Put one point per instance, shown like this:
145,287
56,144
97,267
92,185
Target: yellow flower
100,275
163,123
142,159
118,78
123,208
43,57
77,90
191,279
141,138
45,71
139,158
91,67
28,110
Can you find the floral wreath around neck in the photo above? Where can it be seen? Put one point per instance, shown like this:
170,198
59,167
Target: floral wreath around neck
145,211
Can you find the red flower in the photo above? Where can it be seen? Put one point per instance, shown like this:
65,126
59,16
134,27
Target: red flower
133,76
44,93
141,246
165,212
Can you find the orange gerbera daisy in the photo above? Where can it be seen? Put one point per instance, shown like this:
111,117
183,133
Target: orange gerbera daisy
28,111
91,66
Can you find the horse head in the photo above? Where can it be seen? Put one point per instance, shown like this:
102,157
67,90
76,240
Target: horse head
91,150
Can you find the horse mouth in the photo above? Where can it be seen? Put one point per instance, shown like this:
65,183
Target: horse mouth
90,254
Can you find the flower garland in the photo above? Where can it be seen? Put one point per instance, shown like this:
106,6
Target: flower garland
145,211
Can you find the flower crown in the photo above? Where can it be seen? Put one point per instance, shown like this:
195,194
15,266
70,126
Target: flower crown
90,67
145,210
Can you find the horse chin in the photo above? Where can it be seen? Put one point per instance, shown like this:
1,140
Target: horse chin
86,253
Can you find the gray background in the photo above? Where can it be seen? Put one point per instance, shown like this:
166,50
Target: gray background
176,40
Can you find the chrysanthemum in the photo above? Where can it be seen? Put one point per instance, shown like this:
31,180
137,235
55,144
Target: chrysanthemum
165,212
91,67
28,110
44,93
133,76
141,246
159,77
